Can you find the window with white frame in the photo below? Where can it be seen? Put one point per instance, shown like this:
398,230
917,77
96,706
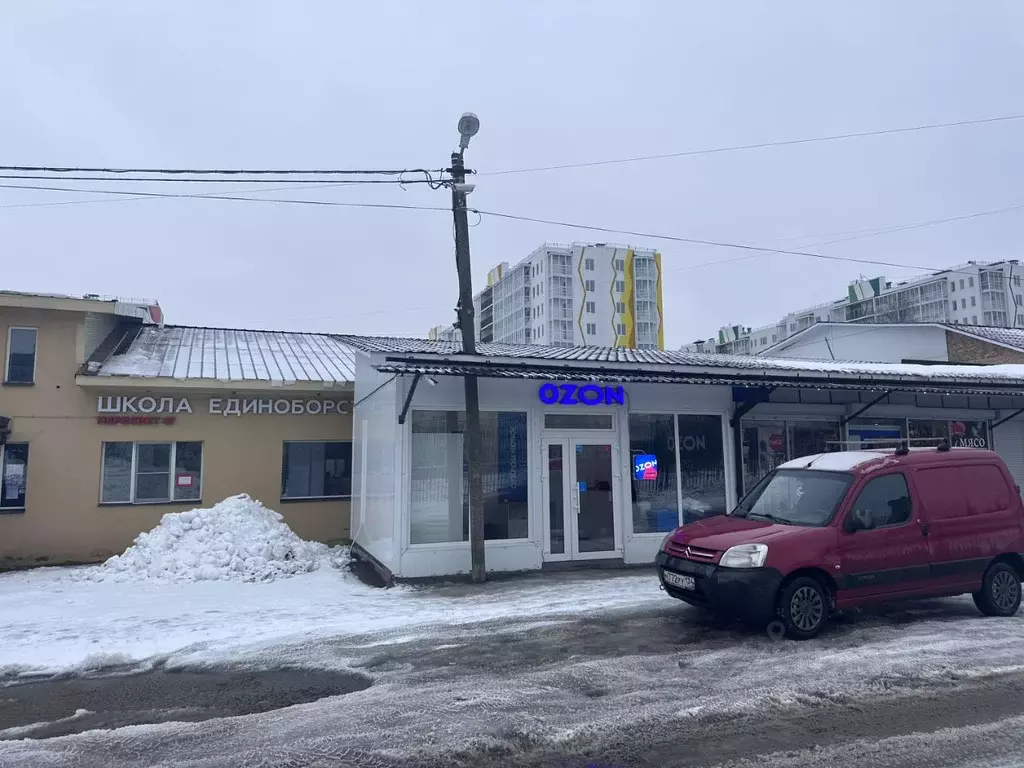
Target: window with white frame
591,307
591,329
21,356
151,472
588,264
620,286
589,285
13,476
316,469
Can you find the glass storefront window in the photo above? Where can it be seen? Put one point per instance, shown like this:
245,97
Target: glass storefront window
655,498
439,494
764,448
702,467
699,465
767,444
875,433
926,431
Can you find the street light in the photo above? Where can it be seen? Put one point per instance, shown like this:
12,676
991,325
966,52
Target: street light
469,124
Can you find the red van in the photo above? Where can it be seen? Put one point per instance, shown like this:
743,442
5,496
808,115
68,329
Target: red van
837,530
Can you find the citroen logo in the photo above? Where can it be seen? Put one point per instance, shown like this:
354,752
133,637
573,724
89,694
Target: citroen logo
686,554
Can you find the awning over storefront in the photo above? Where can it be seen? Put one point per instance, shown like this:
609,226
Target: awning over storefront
945,385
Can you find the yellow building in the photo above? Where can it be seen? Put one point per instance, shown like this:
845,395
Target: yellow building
110,419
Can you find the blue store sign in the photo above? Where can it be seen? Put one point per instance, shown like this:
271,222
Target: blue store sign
580,394
645,466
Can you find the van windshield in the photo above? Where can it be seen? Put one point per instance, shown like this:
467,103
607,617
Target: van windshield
795,497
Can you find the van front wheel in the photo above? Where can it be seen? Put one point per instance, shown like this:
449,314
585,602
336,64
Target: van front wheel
1000,591
803,608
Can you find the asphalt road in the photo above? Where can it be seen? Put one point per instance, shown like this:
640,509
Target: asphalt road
659,687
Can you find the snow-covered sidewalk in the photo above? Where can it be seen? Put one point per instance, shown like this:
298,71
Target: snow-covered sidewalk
54,620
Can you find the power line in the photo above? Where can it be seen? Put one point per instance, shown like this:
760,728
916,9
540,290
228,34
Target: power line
183,180
866,233
713,243
130,197
512,217
224,171
240,198
743,147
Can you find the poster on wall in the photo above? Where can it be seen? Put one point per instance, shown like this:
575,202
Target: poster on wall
968,434
512,480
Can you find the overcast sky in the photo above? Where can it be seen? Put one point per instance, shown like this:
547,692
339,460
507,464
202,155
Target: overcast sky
345,84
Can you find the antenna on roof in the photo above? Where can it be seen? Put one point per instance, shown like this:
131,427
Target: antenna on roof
942,446
902,449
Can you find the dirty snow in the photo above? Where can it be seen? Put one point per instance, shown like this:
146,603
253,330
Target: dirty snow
60,620
237,539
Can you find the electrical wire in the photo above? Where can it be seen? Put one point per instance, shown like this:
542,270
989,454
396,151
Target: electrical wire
513,217
130,197
744,147
232,180
223,171
713,243
240,198
864,233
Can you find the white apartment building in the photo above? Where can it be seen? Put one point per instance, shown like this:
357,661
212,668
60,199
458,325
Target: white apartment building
583,294
975,293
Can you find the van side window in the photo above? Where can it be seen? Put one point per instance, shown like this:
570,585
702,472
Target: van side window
884,501
985,488
942,492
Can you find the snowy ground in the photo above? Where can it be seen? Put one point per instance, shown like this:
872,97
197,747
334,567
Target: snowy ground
53,620
559,670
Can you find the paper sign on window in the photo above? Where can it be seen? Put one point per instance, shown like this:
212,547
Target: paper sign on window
184,481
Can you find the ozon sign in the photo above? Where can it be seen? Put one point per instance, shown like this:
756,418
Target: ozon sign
580,394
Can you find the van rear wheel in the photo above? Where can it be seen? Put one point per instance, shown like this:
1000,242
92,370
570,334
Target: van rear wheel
1000,593
803,608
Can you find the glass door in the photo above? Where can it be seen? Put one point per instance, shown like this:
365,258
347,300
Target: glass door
579,499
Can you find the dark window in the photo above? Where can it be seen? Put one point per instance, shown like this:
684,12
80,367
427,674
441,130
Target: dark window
146,473
577,421
14,476
21,356
316,470
884,501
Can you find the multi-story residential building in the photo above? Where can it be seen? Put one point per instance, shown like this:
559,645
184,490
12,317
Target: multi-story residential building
573,295
975,293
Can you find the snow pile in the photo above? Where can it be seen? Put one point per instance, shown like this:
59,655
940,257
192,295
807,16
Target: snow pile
236,540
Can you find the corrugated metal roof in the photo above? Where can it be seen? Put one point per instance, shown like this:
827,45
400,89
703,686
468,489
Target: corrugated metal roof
224,354
627,360
1010,337
725,378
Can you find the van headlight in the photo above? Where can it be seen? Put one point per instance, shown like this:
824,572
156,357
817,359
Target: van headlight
744,556
664,541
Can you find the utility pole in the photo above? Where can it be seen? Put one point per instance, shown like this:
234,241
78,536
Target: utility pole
469,124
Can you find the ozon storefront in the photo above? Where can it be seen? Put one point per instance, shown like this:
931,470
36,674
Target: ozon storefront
592,455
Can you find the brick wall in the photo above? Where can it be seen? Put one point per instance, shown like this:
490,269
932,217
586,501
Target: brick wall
964,349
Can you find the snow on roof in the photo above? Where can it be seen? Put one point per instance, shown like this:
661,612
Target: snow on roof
147,310
839,461
225,354
653,358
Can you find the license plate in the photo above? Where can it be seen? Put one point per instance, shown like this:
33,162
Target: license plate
677,580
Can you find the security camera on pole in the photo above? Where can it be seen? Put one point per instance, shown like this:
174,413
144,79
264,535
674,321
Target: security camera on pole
469,124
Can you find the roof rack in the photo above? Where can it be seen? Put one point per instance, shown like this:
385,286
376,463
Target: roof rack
902,445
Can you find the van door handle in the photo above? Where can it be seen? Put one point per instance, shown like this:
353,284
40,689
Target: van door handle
924,529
